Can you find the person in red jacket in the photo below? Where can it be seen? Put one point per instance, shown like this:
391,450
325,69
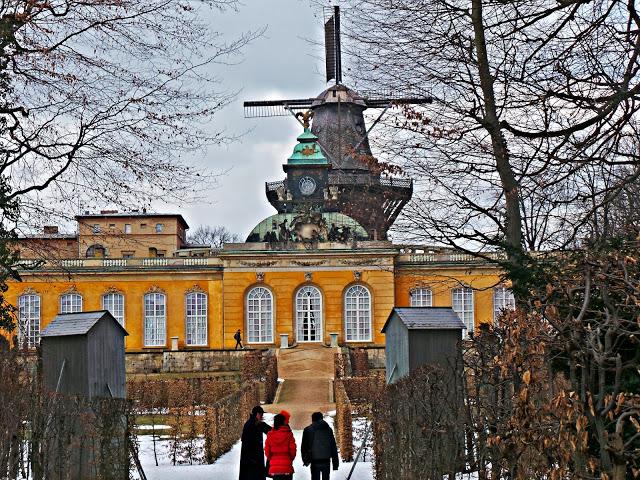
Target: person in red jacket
280,449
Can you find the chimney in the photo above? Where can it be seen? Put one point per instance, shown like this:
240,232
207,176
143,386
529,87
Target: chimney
50,229
106,212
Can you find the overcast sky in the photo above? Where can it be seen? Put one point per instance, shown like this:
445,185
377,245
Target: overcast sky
280,64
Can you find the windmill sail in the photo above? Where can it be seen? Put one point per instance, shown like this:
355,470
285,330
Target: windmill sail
332,47
353,184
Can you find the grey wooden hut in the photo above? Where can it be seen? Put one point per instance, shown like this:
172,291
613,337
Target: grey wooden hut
83,354
417,336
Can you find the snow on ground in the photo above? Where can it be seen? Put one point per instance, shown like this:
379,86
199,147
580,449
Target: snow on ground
153,427
227,466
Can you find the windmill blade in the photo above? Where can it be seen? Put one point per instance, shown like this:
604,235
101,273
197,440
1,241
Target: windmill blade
275,108
389,98
333,56
387,102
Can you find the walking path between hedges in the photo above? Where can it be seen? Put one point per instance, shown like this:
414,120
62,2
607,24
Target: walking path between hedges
307,371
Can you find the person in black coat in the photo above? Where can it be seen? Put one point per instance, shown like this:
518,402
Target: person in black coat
238,338
319,448
252,451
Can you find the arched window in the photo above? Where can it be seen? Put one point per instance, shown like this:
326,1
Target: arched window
421,297
70,303
259,315
462,301
97,251
357,314
308,314
114,303
29,320
502,300
155,319
196,318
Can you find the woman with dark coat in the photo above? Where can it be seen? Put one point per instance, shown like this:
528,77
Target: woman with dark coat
280,449
251,453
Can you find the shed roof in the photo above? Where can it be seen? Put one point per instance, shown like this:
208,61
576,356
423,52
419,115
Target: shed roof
426,318
67,324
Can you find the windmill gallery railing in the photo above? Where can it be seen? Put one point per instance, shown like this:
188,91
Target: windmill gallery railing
352,179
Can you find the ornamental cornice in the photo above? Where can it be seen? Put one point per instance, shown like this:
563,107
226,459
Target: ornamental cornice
71,290
112,289
359,263
155,289
195,289
29,291
302,263
258,264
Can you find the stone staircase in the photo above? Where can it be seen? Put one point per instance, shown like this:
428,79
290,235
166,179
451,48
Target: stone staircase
307,371
306,361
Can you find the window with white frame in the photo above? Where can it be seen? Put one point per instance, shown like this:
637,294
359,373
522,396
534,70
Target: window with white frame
502,300
155,319
308,314
114,304
462,300
259,315
357,314
196,321
127,228
421,297
70,303
29,320
159,227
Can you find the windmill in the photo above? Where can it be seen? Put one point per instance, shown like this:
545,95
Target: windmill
356,186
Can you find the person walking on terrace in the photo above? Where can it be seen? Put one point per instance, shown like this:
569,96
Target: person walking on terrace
251,453
238,339
319,448
280,449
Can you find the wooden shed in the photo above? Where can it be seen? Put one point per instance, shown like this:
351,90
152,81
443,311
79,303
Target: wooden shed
417,336
83,354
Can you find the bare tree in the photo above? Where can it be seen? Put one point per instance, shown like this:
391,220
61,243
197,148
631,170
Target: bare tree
528,98
101,98
215,236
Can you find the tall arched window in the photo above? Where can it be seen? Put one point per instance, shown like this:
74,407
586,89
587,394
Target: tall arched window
196,318
421,297
357,314
29,320
462,301
70,303
114,303
502,300
155,319
259,315
308,314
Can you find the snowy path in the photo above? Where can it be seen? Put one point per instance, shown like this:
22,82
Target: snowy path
226,468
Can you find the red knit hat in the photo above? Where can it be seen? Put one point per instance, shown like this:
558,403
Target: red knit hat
286,416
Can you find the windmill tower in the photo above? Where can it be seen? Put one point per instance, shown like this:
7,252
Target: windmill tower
354,184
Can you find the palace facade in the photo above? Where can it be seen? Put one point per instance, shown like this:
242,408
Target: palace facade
202,296
321,265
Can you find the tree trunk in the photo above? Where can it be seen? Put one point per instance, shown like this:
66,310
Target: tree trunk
513,220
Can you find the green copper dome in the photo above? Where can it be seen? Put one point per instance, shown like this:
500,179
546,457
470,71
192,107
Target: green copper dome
300,227
307,151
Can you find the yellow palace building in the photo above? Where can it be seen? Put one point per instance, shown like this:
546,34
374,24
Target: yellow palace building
319,268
